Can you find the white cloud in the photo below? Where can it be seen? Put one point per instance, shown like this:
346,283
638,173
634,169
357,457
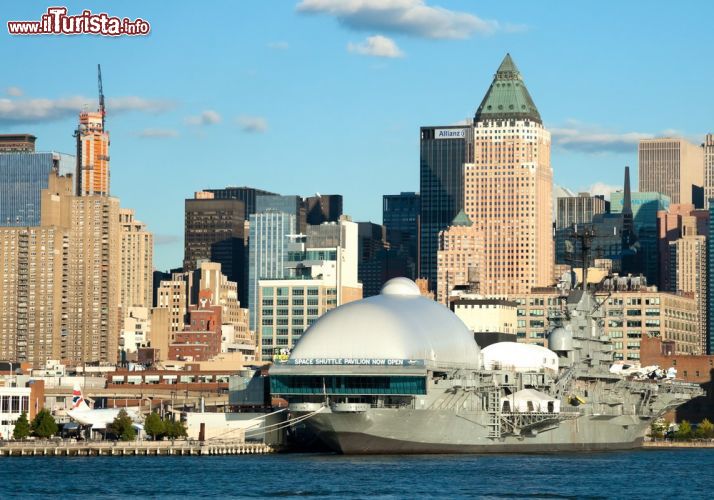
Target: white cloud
42,110
14,91
255,124
207,117
583,138
602,188
408,17
158,133
376,46
279,45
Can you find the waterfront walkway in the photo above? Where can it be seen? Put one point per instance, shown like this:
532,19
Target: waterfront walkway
124,448
705,443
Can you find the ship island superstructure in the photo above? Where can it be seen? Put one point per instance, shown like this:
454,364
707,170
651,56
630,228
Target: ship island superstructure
399,373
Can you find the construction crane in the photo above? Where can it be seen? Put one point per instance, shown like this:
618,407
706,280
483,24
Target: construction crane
101,94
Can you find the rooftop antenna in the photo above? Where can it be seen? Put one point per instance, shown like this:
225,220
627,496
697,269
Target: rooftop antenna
101,94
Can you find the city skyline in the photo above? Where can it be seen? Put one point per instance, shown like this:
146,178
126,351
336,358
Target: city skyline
303,96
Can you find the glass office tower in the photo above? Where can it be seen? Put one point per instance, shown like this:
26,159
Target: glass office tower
443,152
23,176
270,233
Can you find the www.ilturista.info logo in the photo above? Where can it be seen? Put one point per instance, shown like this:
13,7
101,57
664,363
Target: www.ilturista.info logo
56,22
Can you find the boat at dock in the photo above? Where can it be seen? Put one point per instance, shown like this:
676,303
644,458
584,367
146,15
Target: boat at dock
399,373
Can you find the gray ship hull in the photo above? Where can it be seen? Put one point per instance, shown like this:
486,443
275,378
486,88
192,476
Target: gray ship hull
413,431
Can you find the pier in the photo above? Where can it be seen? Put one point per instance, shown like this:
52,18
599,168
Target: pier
132,448
707,443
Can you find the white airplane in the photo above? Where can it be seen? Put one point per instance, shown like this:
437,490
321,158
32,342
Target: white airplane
100,418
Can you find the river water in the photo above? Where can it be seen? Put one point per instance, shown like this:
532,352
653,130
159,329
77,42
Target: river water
671,474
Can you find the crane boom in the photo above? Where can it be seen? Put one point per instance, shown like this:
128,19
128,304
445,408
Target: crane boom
101,94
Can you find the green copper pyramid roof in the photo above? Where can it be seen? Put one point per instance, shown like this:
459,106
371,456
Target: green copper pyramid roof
507,97
461,219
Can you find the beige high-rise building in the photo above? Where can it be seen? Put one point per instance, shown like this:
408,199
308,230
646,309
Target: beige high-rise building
173,295
708,169
93,280
628,316
508,187
674,167
65,274
688,273
458,259
31,290
137,253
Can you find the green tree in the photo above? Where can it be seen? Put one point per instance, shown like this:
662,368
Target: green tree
122,426
685,431
705,430
153,425
44,425
174,429
22,427
658,428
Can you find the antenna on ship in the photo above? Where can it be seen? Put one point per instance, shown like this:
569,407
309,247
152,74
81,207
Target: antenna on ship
102,110
585,238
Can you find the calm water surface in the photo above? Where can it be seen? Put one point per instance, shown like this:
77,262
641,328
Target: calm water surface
669,474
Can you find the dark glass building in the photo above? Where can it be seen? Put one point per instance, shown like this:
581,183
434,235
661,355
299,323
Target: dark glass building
377,262
245,194
323,208
400,217
443,152
215,231
23,176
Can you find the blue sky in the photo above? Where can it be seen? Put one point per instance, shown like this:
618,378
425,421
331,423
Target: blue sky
325,96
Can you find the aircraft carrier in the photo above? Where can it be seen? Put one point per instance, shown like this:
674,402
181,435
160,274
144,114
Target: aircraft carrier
399,373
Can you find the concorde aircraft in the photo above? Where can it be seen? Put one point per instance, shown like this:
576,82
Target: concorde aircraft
100,418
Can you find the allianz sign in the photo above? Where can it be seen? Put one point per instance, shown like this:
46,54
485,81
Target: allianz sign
449,133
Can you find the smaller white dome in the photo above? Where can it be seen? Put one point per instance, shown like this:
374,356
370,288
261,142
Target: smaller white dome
400,286
519,357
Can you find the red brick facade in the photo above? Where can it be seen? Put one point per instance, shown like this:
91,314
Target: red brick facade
201,340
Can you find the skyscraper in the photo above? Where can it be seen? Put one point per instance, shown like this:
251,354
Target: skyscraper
245,194
215,231
62,279
673,167
459,257
400,216
708,169
320,273
289,204
23,176
688,273
137,253
378,260
710,278
572,210
270,233
643,212
93,149
443,152
17,143
508,187
578,209
92,154
323,208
